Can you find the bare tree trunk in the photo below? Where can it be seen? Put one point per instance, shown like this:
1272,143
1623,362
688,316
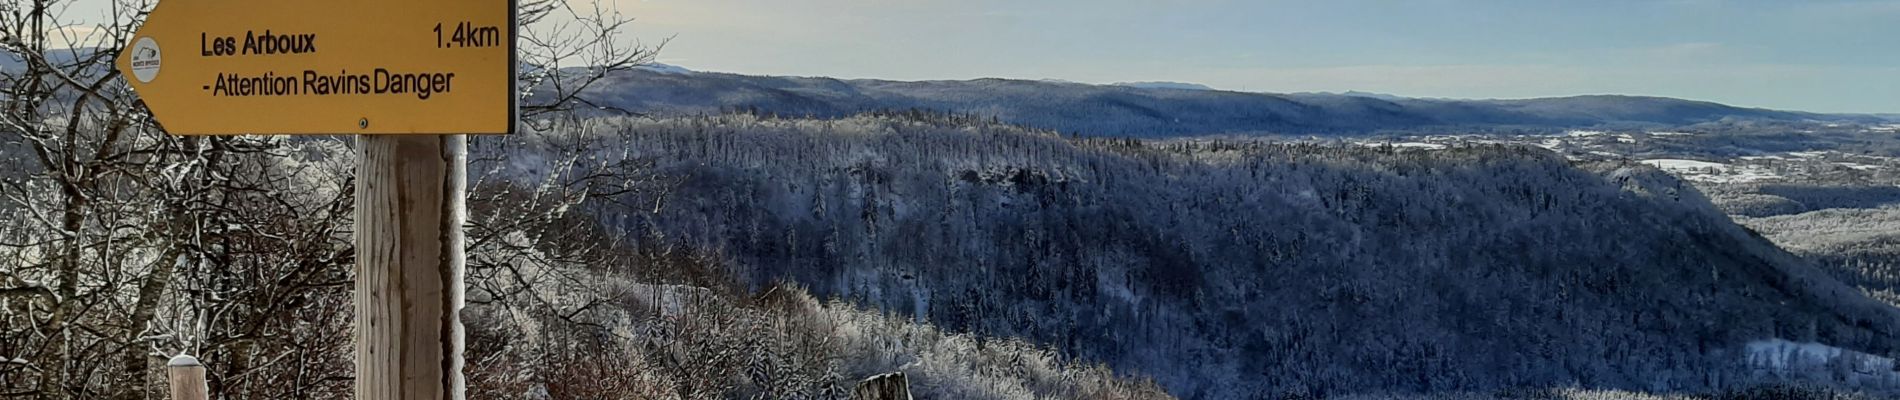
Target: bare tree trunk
133,359
53,378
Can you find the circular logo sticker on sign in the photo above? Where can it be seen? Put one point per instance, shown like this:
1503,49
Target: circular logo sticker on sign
145,60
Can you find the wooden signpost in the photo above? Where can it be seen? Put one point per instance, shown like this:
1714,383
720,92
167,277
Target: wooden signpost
410,78
230,67
186,378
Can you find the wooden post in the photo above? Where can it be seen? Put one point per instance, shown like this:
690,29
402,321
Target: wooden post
891,386
410,209
187,378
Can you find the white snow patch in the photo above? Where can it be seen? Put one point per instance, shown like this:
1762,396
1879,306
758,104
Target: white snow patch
1673,165
1704,171
1404,145
1584,133
1668,133
1858,166
1744,175
1416,145
182,360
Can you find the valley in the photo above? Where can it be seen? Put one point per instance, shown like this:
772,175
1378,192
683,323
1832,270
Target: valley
776,237
1308,267
927,199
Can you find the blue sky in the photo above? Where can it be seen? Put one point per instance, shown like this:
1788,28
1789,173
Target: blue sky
1827,56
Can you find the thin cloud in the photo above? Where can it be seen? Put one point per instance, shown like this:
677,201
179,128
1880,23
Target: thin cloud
77,37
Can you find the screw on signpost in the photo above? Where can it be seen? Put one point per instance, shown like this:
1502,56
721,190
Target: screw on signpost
187,378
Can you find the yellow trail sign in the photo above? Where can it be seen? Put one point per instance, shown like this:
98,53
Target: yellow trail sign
226,67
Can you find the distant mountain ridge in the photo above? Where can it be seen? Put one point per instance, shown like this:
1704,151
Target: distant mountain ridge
1158,109
1144,109
1165,85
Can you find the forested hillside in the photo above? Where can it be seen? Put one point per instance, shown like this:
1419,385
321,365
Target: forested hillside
1238,270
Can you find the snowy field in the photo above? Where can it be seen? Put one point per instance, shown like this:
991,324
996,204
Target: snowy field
1743,159
1714,172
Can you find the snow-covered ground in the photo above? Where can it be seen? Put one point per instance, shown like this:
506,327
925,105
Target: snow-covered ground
1673,165
1619,137
1405,145
1859,166
1705,171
